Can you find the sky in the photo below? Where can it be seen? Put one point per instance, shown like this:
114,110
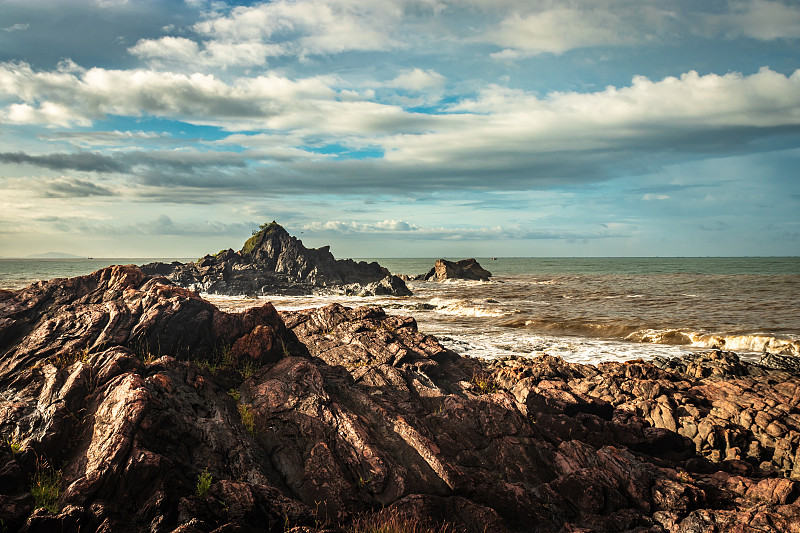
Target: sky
401,128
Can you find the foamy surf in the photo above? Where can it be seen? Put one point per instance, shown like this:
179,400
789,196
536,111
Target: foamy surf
469,308
495,343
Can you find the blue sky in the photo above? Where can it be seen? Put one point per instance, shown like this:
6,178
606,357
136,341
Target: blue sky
401,127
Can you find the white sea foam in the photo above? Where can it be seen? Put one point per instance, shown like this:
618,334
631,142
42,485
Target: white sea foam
492,344
469,308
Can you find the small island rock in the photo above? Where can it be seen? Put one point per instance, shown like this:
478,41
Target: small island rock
464,269
274,262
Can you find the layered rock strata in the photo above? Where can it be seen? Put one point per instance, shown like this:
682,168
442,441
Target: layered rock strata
152,410
274,262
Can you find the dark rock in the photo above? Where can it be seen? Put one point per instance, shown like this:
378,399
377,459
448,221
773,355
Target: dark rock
274,262
787,363
464,269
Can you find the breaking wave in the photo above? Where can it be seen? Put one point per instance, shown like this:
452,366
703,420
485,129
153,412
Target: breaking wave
469,308
676,337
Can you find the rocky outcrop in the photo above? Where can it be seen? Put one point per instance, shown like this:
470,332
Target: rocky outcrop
464,269
274,262
143,407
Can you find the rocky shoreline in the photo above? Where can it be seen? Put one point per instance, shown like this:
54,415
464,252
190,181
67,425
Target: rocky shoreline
140,406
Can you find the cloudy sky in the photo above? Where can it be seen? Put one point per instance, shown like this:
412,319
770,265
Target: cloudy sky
391,128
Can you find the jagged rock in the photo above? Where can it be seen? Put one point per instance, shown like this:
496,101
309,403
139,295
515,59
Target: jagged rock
464,269
388,286
162,413
787,363
274,262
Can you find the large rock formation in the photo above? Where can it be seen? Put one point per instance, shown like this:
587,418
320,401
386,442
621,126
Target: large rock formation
143,407
464,269
274,262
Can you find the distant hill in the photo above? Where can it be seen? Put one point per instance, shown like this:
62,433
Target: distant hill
53,255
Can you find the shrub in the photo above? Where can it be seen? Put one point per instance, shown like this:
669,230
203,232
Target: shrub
204,480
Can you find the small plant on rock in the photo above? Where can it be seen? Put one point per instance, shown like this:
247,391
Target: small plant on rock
484,382
204,480
13,445
248,368
247,416
285,348
248,419
67,359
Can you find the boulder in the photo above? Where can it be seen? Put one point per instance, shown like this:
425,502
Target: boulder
464,269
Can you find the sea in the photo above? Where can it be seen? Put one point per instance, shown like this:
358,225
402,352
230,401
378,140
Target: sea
585,310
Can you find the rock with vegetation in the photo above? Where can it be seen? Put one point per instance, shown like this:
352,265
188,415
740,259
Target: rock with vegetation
274,262
128,404
465,269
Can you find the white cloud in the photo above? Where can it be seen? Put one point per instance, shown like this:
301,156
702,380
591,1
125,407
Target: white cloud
16,27
418,80
558,30
174,48
400,229
505,126
313,27
345,227
187,53
50,114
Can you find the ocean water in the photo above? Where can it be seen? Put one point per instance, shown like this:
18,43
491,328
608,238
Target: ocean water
582,309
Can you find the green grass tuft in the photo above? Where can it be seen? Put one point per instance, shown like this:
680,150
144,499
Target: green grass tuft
14,445
484,382
248,418
46,487
67,359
